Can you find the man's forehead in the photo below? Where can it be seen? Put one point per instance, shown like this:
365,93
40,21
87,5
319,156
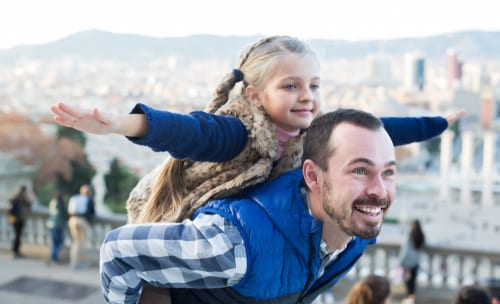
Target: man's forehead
356,142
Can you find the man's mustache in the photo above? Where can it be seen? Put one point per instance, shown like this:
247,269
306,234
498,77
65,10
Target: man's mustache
369,201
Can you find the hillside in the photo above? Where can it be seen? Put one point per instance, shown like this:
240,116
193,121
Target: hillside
94,44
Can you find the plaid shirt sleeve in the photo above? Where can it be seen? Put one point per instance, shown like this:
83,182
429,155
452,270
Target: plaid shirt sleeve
207,252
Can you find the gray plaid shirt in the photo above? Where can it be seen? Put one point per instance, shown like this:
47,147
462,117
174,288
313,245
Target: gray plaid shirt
207,252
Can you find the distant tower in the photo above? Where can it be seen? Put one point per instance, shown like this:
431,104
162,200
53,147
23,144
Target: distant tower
454,69
414,72
379,73
487,111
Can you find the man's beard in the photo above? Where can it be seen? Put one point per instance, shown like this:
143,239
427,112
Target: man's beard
346,224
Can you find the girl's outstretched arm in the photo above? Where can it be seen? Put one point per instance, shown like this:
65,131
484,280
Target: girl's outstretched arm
405,130
98,122
197,136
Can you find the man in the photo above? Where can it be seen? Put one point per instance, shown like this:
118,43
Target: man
19,209
81,212
284,241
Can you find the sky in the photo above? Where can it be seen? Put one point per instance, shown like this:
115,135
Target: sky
41,21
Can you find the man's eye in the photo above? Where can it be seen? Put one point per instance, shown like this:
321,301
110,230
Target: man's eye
360,171
389,173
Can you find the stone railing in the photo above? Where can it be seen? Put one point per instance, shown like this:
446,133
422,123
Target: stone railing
36,235
440,268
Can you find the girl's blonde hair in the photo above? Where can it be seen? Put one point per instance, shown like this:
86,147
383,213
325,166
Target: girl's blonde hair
372,289
256,64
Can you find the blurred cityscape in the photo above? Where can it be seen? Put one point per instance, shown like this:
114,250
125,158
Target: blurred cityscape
409,83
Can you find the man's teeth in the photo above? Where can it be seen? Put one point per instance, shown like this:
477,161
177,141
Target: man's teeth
369,210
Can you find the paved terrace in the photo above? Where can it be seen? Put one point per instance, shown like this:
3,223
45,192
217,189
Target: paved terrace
30,280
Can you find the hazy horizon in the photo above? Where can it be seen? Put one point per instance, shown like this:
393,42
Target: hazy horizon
33,22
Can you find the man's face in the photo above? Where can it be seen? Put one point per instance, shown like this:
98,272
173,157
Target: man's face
358,187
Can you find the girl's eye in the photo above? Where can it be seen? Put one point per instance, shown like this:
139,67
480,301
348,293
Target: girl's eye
359,171
290,86
314,86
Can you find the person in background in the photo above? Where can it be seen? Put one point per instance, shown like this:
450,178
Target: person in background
372,289
19,208
493,286
474,294
409,257
56,223
81,212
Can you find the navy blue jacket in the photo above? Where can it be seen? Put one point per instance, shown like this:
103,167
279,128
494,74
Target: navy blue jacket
201,136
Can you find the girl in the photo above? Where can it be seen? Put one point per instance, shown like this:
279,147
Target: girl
241,139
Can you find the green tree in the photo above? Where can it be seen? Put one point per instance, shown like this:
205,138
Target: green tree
433,145
119,182
83,172
70,133
65,166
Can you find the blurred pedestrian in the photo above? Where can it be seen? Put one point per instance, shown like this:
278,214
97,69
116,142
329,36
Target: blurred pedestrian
409,256
493,287
473,294
19,208
81,212
372,289
56,223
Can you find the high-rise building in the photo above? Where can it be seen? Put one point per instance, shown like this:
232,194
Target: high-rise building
454,69
379,70
414,71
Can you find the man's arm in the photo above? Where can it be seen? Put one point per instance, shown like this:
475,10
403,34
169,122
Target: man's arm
207,252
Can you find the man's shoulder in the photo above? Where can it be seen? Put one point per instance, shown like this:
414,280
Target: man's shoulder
289,179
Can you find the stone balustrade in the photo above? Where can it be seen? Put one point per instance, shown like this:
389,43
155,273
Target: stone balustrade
441,267
36,234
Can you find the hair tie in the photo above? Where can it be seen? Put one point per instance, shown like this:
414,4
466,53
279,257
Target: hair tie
238,75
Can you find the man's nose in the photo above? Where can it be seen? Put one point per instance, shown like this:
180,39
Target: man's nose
377,187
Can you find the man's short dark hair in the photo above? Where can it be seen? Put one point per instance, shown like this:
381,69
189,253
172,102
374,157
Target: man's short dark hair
317,136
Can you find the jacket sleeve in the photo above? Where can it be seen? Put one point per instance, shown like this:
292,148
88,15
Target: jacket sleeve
405,130
197,136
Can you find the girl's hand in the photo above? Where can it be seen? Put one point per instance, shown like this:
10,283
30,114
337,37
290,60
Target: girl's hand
454,117
90,121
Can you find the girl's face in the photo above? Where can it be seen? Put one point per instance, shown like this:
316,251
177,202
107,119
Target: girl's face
291,93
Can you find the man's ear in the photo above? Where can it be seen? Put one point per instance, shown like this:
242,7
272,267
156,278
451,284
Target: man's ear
253,94
311,175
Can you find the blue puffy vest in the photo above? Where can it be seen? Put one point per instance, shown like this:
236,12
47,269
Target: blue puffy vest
282,245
